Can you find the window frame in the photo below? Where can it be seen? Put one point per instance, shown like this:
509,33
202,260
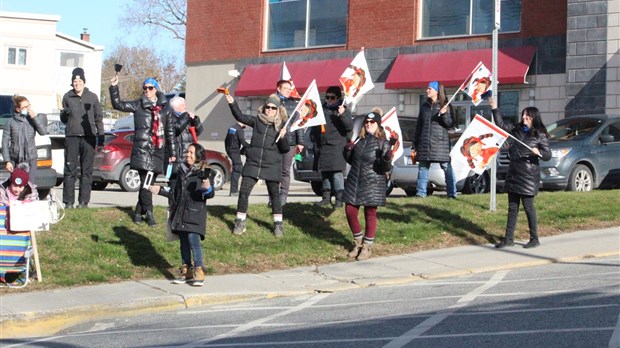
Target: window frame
307,31
17,49
470,26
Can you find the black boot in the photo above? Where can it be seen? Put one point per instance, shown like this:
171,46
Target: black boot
327,197
339,203
150,218
137,217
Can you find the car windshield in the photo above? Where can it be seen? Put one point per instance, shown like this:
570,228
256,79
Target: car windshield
570,129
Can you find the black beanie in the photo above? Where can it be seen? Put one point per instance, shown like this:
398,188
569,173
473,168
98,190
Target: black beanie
78,73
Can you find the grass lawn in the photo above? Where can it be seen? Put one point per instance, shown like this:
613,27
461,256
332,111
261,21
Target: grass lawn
102,245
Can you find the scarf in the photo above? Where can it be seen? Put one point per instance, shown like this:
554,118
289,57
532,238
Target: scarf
157,129
276,121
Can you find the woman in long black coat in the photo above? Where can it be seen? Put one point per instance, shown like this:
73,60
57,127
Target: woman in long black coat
370,159
263,159
188,211
523,177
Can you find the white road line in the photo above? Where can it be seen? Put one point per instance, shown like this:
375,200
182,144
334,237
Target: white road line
614,342
259,322
440,316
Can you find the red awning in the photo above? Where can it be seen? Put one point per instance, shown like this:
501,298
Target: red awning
452,68
261,79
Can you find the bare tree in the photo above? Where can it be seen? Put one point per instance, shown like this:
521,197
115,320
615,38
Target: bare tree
138,64
170,15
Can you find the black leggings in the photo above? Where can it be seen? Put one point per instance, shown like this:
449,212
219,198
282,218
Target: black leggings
513,211
247,184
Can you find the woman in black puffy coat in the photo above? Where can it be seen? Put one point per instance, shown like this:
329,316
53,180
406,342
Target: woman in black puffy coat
153,133
263,159
523,177
431,142
188,211
366,184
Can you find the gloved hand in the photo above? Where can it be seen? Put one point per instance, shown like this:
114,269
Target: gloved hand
392,141
349,146
66,112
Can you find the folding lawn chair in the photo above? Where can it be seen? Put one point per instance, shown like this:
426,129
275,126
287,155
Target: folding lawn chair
16,254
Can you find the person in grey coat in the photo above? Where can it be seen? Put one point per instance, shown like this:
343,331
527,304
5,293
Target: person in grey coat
431,142
18,144
523,177
370,159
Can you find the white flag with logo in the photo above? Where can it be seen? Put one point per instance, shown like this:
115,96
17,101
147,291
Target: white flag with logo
477,147
309,111
479,84
356,80
285,75
390,124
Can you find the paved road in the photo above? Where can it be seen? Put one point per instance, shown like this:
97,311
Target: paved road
568,304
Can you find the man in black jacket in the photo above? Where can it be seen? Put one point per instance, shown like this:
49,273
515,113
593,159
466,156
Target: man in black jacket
295,138
235,144
81,112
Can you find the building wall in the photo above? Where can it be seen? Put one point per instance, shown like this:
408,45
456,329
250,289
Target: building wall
612,102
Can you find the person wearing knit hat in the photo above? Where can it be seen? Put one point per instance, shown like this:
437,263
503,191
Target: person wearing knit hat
82,114
431,142
154,142
263,159
18,186
370,158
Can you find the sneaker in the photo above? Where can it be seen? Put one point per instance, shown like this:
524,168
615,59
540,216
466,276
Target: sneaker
185,276
199,276
82,205
137,219
533,243
504,244
68,206
239,227
278,229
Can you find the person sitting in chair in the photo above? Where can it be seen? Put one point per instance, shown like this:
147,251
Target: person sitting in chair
18,186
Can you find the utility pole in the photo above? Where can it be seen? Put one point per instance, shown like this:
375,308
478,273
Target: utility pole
493,203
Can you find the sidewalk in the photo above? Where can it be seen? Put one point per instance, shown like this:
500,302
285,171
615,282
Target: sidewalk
46,312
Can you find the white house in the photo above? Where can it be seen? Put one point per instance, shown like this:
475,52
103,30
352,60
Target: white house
36,60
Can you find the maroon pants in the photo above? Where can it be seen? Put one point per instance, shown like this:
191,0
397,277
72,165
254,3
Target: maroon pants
370,217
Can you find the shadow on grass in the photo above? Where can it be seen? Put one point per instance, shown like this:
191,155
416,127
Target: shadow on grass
141,251
227,214
454,224
314,221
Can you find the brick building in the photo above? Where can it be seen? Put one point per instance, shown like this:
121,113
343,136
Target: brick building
561,56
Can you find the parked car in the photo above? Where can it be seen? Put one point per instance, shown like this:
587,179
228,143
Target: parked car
45,177
405,175
111,164
302,170
585,154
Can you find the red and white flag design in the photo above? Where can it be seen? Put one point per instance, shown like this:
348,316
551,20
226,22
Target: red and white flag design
285,75
390,124
356,80
478,84
309,111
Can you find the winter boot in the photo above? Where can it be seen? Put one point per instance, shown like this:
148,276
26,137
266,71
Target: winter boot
533,243
339,203
365,253
137,217
199,276
356,248
278,229
150,218
327,198
239,227
185,276
504,243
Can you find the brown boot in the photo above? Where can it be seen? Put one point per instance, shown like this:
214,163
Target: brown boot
365,253
199,276
185,275
356,249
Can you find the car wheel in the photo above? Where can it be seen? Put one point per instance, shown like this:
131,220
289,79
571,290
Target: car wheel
99,185
580,179
59,181
477,184
129,180
219,178
410,192
317,188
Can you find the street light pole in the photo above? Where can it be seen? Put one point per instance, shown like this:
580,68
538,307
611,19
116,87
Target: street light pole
493,189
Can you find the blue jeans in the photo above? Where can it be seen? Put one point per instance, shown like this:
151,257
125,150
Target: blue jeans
190,244
332,181
423,167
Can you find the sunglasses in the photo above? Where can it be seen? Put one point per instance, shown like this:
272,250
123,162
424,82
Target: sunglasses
369,121
330,97
150,88
267,107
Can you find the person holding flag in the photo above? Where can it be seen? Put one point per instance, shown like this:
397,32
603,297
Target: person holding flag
523,177
295,138
370,158
187,129
329,140
263,158
431,142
